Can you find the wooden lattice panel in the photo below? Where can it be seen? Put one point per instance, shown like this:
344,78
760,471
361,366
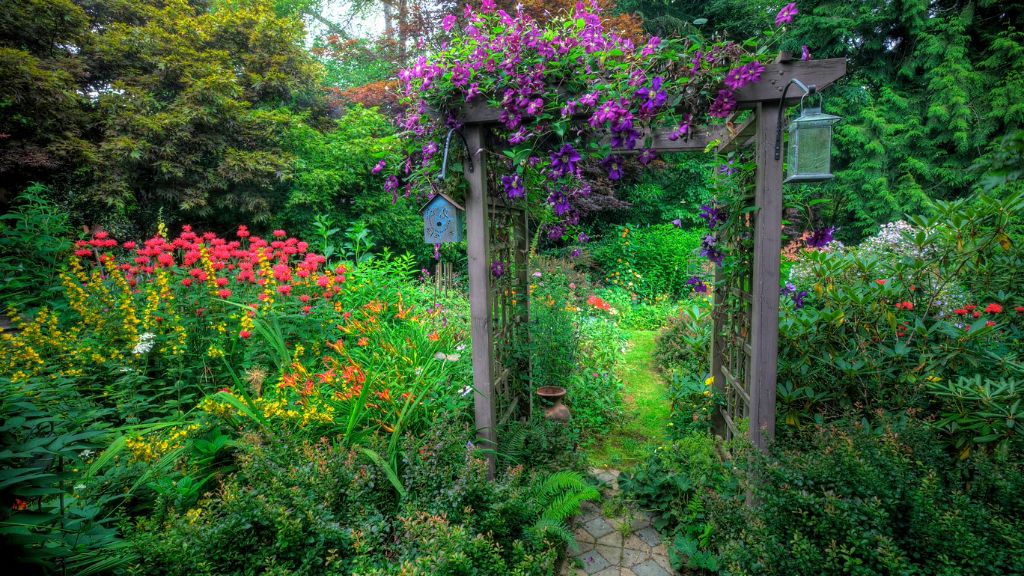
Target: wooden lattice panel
509,310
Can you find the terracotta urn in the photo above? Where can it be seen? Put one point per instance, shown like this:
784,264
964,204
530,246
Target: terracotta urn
557,411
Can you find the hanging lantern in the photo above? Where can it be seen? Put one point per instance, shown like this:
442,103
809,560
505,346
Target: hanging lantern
810,144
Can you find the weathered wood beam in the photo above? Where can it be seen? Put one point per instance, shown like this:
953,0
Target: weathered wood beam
478,248
764,311
821,73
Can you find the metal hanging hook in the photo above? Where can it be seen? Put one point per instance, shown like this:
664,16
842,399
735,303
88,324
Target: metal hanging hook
444,159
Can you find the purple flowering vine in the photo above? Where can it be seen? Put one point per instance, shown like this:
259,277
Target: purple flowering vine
697,285
564,161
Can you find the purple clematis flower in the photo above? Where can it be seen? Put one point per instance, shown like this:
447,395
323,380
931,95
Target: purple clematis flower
698,285
709,250
821,237
723,105
514,187
448,22
652,97
379,167
682,130
647,155
583,238
805,53
556,233
564,161
712,215
497,268
786,15
613,164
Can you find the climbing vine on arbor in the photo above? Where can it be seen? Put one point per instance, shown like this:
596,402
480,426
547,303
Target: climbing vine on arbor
569,92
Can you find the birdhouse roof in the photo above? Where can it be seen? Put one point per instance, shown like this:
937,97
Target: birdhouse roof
446,198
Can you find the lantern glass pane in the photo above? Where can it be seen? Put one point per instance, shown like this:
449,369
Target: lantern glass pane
813,149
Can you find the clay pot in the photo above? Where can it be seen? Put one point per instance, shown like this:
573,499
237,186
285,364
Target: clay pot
557,411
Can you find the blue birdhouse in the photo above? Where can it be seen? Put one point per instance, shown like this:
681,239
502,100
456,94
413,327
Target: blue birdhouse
443,220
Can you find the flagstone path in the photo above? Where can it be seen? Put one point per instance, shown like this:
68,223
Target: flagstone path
614,539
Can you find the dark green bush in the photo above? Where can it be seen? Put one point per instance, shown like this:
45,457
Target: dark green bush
860,498
649,261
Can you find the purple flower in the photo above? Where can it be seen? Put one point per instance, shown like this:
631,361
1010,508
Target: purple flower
682,130
797,296
556,233
821,237
712,215
651,46
429,149
785,16
514,187
575,254
379,167
448,22
613,164
677,223
727,169
647,155
564,161
652,97
536,106
472,92
723,105
698,285
805,53
391,183
709,250
497,269
583,238
798,299
559,203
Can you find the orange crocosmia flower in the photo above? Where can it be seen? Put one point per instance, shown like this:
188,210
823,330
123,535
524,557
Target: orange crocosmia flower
364,341
433,337
384,395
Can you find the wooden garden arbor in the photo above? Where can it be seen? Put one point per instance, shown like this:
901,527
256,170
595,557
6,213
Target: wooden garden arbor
745,345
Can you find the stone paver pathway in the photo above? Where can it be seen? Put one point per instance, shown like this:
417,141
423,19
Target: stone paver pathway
615,540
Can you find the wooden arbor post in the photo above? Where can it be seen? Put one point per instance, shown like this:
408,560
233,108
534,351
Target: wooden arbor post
759,382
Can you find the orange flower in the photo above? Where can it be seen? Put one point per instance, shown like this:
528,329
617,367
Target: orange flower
433,337
364,341
19,504
384,395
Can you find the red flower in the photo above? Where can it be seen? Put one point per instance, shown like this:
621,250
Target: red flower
970,308
880,282
1019,309
976,315
222,282
129,245
279,234
224,294
904,305
286,289
186,282
244,334
960,312
990,323
993,308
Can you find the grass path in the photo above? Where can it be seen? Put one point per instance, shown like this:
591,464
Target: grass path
646,409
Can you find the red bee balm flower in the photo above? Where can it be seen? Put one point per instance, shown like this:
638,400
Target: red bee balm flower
880,282
904,305
993,309
244,334
1019,309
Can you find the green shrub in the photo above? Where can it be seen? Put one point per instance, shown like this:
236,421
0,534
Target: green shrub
35,238
683,345
883,498
651,261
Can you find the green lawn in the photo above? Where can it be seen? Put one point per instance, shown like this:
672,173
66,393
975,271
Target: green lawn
646,408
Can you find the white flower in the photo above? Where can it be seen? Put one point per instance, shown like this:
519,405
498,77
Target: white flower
79,487
460,347
466,391
86,453
145,343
